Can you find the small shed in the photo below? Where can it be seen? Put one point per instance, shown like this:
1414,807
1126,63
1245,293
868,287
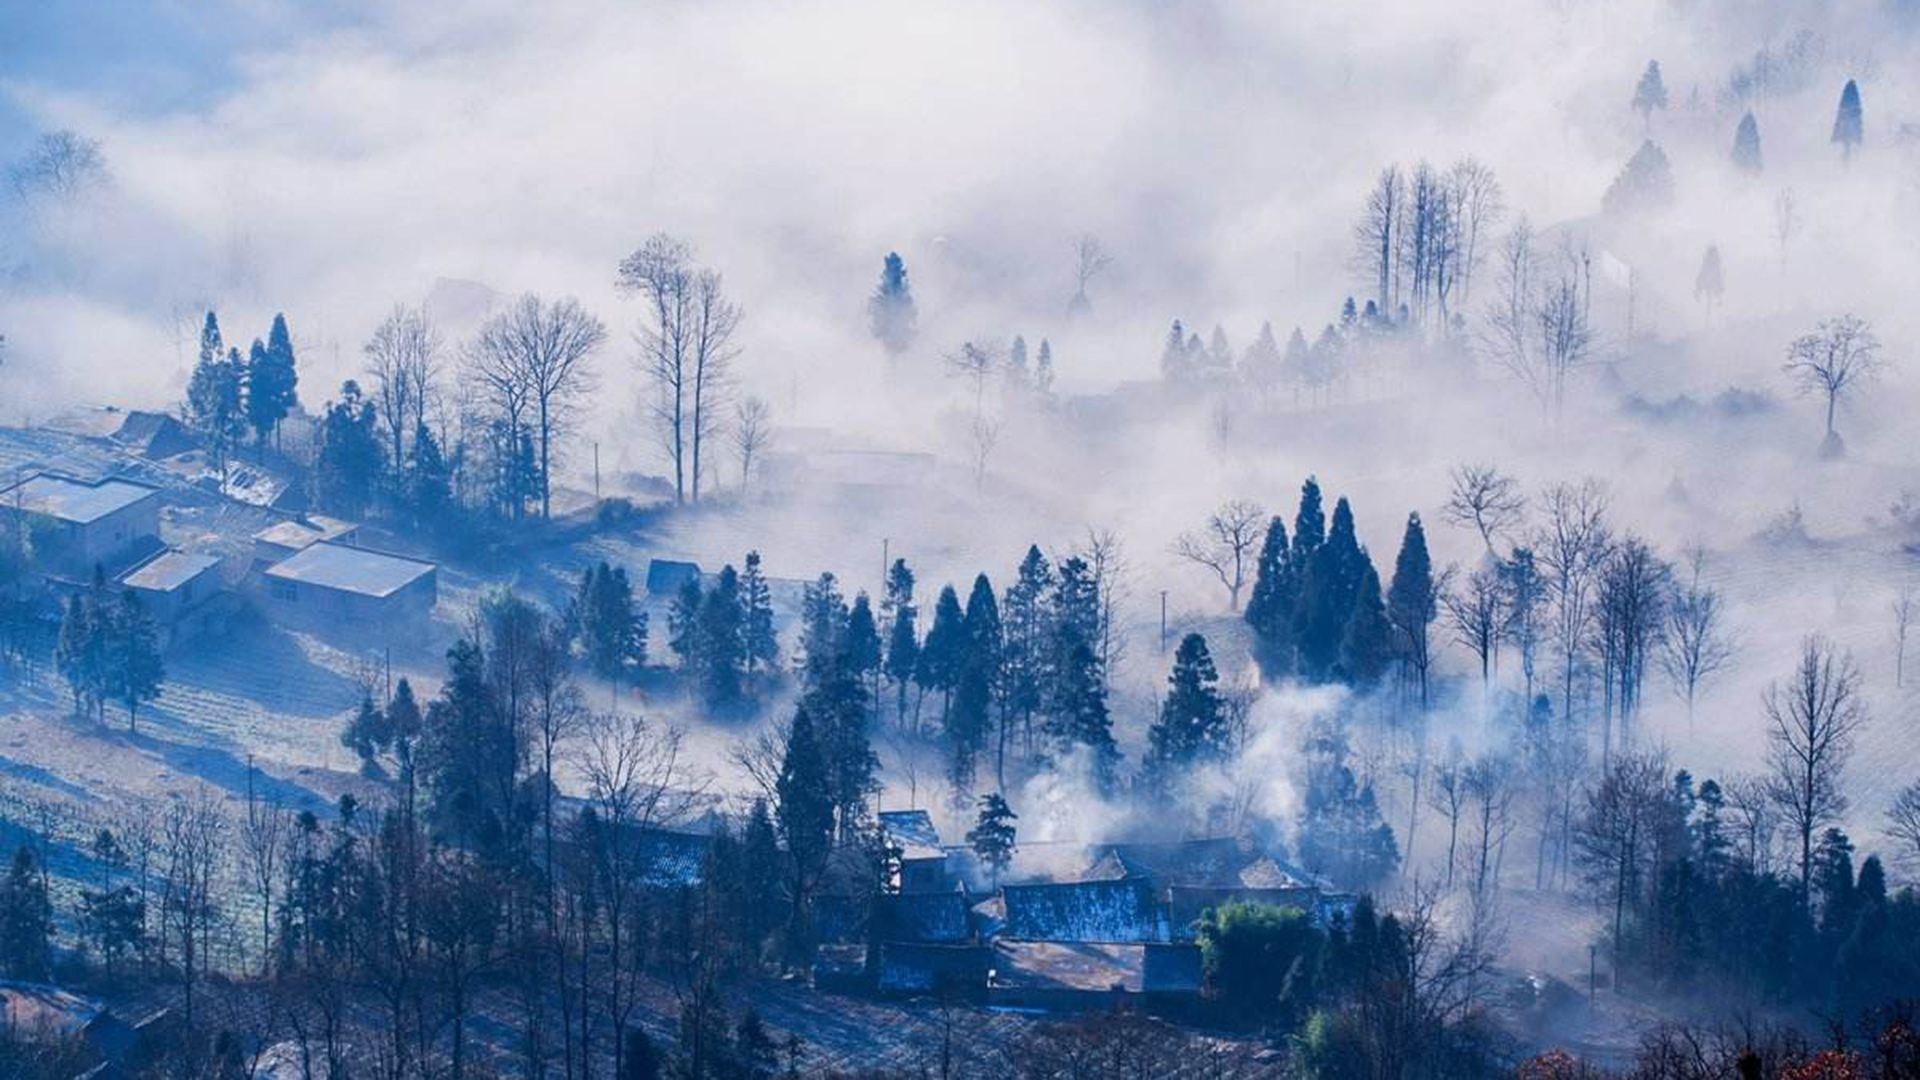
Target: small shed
171,583
949,971
327,585
923,861
283,539
80,524
155,435
1083,911
1080,975
666,577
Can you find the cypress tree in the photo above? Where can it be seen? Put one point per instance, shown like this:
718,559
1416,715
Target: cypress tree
26,919
1192,726
1027,636
1309,523
1043,368
762,645
942,650
1332,580
1412,604
903,641
1849,125
891,314
976,684
1746,145
1079,719
993,833
862,647
1270,609
721,644
1650,93
1367,644
803,809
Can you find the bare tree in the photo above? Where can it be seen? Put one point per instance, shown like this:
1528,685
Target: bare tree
1108,561
1376,236
1477,611
59,164
1478,204
1629,613
1695,644
975,362
1540,329
1572,546
1489,789
193,851
1090,260
1906,605
1566,329
1226,545
1812,718
638,778
1839,353
1616,831
661,272
1447,794
532,361
983,436
1485,498
715,320
752,433
402,357
1903,825
262,842
1752,810
1786,221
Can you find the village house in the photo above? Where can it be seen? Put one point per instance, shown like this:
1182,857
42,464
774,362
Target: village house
76,525
175,587
330,585
284,539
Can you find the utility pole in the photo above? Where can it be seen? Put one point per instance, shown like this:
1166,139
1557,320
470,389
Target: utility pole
886,562
596,471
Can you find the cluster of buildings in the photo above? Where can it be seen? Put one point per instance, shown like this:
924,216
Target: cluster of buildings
105,505
1073,926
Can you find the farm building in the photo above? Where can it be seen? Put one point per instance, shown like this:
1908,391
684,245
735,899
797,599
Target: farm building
175,587
1078,975
957,971
79,524
665,577
329,584
923,861
1082,911
154,435
284,539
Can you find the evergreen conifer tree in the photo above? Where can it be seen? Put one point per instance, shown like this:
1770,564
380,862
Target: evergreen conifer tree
1270,609
1192,726
721,643
1367,643
942,651
992,836
1849,124
903,640
1650,93
26,919
351,461
1412,605
976,683
891,314
762,644
1746,145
